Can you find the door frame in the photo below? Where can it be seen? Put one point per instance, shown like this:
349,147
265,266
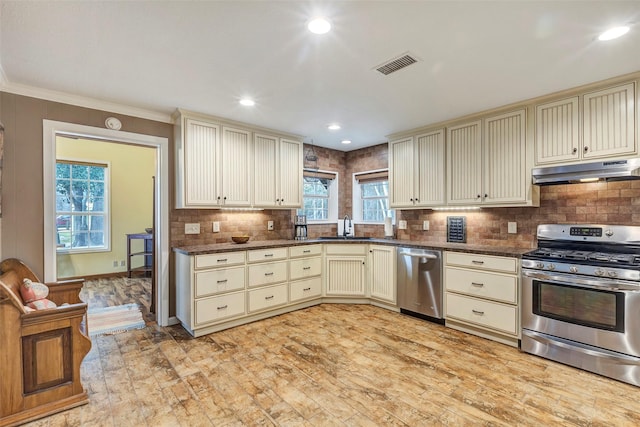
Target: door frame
51,129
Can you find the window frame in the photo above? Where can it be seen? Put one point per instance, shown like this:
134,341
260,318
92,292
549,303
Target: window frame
106,214
357,199
332,200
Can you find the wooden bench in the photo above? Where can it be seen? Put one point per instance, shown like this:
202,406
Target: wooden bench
40,351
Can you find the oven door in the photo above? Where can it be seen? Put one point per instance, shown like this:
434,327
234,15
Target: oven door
600,312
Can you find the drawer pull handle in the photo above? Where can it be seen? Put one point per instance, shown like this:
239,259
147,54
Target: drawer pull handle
478,312
222,260
306,289
479,285
268,255
477,262
268,274
306,268
307,251
223,281
269,297
223,307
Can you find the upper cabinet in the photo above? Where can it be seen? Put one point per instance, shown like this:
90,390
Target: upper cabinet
277,172
592,125
487,161
417,170
226,164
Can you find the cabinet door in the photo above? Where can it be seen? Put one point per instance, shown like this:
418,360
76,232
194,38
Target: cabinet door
401,170
504,154
429,154
236,167
265,183
290,168
199,167
464,166
557,136
345,276
609,122
382,272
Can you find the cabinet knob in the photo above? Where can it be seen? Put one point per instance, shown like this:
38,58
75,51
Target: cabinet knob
411,200
486,195
586,149
417,200
478,196
574,151
277,200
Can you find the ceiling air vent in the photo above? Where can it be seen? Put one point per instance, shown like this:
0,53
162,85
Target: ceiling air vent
396,64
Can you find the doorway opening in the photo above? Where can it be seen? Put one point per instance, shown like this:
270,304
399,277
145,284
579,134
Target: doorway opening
53,133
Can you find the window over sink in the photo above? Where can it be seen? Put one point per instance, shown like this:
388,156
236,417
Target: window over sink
371,197
320,196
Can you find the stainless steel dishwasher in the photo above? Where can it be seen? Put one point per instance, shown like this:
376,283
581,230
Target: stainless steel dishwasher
419,281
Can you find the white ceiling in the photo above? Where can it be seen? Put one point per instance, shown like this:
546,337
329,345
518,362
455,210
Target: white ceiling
205,55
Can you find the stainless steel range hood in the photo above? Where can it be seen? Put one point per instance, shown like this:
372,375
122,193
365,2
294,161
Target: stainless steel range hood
613,170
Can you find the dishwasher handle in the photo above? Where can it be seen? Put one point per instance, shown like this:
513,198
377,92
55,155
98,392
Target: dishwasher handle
419,255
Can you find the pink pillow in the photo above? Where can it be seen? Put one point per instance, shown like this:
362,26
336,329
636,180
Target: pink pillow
32,291
42,304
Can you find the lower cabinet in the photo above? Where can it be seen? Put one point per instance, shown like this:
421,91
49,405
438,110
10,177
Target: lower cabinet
382,273
345,270
267,297
482,295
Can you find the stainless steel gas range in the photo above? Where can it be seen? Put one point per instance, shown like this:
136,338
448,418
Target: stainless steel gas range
581,298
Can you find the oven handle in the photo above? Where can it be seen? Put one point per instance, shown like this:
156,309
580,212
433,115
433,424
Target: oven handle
559,278
572,345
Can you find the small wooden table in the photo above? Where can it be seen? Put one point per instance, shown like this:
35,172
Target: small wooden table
149,261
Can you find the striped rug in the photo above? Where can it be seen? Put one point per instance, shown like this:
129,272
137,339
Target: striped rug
113,320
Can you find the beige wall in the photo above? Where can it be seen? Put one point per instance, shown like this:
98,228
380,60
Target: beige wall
131,202
22,194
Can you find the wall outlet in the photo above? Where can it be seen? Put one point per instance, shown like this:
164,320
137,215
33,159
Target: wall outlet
115,263
425,225
402,224
192,228
270,225
121,263
216,226
512,227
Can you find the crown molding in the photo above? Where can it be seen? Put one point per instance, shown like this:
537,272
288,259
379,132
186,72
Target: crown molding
81,101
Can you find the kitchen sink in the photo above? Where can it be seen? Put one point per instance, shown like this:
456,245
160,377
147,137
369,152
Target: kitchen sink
343,238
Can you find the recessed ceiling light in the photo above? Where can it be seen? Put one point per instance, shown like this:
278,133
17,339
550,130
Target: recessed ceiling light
247,102
319,26
333,126
613,33
346,141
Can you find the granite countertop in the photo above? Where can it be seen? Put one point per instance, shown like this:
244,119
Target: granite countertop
265,244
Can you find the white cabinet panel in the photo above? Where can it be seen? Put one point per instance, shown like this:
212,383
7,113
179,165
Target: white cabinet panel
305,250
278,172
345,276
401,164
219,307
267,273
305,267
493,315
219,280
483,262
270,254
265,186
219,260
557,131
305,289
464,163
382,272
430,158
499,287
199,181
290,169
267,297
235,165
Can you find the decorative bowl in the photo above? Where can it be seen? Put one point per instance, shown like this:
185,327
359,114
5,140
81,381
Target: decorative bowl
240,239
149,230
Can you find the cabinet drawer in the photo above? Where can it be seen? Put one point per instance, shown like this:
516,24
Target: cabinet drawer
305,267
500,287
267,254
304,289
219,280
345,249
219,260
220,307
484,262
268,297
267,273
305,250
492,315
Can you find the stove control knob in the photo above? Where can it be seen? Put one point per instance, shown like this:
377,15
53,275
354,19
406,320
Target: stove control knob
573,269
609,232
598,272
612,273
539,265
551,267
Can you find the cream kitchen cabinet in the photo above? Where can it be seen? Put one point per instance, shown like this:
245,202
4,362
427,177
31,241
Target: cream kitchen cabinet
305,272
210,289
277,172
487,162
592,125
482,295
382,273
417,170
345,270
235,167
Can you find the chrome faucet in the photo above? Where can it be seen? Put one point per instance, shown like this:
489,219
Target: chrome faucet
345,230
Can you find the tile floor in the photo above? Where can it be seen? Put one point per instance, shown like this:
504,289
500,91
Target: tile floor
344,365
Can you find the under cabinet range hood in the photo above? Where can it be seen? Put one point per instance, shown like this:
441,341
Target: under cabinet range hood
612,170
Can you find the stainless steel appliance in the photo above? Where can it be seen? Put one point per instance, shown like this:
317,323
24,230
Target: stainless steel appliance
608,170
300,227
581,298
419,281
